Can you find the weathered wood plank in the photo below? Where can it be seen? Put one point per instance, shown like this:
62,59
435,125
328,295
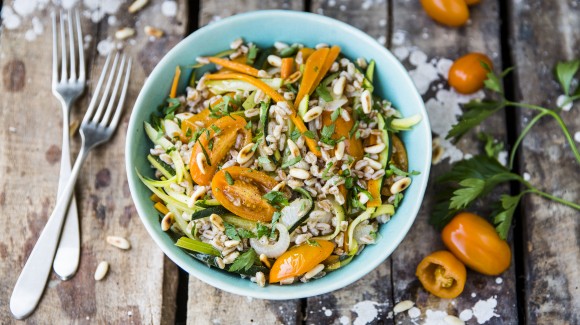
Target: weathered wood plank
373,293
139,284
206,304
552,254
415,33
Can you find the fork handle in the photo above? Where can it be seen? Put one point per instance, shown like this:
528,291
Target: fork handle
32,280
66,261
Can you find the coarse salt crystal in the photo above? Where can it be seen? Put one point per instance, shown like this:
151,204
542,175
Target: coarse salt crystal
414,312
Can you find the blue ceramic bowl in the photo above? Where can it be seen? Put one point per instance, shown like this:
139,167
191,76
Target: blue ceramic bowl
392,82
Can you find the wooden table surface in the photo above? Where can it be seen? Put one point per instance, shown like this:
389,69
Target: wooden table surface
144,287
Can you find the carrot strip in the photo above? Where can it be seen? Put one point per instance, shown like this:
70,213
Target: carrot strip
154,198
332,55
306,52
161,208
287,67
297,120
175,82
312,68
235,66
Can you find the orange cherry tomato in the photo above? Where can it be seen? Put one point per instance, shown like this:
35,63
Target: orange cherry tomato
452,13
353,146
475,242
244,197
467,73
300,259
222,134
190,125
442,274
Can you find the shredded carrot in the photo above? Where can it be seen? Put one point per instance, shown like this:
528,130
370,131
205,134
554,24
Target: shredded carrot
161,208
306,52
235,66
297,120
287,67
312,68
332,55
154,198
175,82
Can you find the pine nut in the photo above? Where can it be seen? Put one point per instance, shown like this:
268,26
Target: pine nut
264,259
217,221
373,163
231,243
362,197
199,160
274,60
167,221
299,173
280,186
280,45
289,280
263,74
317,269
124,33
101,270
312,114
338,87
339,152
236,43
366,101
294,150
453,320
220,262
137,5
362,63
403,306
119,242
197,194
152,31
302,238
345,115
400,185
245,154
377,148
231,257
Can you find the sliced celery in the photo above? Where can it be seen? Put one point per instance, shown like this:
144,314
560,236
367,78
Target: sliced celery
197,246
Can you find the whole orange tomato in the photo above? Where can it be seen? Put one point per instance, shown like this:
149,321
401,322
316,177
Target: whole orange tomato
475,242
452,13
467,73
300,259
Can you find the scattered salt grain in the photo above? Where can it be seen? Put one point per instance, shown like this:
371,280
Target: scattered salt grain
561,100
105,47
366,312
12,129
473,295
484,310
10,19
399,37
401,53
498,280
466,315
414,312
332,3
344,320
527,177
577,136
169,8
382,40
112,21
435,317
383,22
328,313
502,157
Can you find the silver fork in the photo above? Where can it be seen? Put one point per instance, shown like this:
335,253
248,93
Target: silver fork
96,128
67,89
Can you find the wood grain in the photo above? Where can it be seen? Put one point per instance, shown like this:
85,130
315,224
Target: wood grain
206,304
414,29
552,231
375,288
139,284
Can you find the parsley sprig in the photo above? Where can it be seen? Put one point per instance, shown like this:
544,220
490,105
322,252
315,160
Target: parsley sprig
472,179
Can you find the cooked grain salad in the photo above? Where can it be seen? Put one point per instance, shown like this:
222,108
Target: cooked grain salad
277,163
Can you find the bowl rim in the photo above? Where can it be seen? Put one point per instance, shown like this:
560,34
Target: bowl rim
291,293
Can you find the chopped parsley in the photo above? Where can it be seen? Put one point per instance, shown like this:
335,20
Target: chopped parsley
292,162
245,261
229,178
276,199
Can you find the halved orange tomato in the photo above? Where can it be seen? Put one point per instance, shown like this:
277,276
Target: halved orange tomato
353,146
190,125
300,259
243,195
222,134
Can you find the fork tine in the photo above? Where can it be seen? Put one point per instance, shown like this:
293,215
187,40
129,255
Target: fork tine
54,50
105,95
71,41
93,102
117,116
81,48
105,119
63,74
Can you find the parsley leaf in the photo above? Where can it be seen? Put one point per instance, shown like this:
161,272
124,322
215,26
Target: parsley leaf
275,219
245,261
334,116
252,53
295,135
231,231
394,170
276,199
229,178
327,131
309,134
476,112
244,233
207,160
470,190
323,93
216,129
261,230
491,146
504,213
292,162
565,72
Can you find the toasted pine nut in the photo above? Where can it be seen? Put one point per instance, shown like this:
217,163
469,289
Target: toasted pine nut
264,259
377,148
338,87
366,101
236,43
299,173
373,163
137,5
280,186
118,242
400,185
196,195
152,31
339,152
312,114
217,221
167,221
101,270
220,262
362,63
124,33
403,306
294,150
274,60
260,279
231,243
245,154
199,160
